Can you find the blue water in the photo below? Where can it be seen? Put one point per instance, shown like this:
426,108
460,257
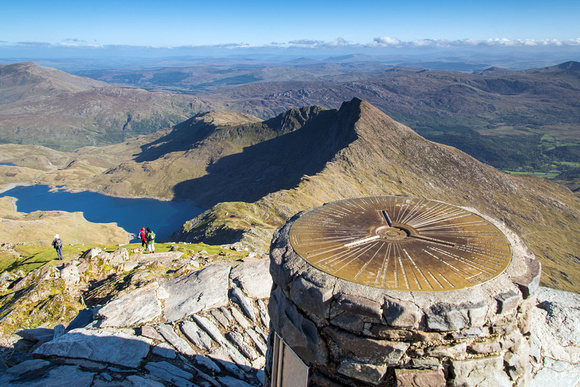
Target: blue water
163,217
10,164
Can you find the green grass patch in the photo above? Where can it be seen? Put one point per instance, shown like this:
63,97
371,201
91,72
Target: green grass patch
34,256
547,175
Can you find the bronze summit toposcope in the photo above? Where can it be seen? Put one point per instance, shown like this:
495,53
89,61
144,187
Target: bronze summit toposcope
401,243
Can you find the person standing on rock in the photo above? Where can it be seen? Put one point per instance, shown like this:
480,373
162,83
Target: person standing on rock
150,237
57,244
142,236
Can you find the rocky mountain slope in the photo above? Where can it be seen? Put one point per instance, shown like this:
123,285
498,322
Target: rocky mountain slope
44,106
257,174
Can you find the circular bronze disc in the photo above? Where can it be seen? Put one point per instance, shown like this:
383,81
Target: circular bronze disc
400,243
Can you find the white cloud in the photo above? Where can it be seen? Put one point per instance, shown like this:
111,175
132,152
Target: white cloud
386,41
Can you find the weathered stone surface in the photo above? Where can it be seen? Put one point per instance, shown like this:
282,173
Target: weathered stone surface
451,351
138,381
508,301
196,335
239,317
177,342
263,309
232,382
364,308
555,324
211,329
244,303
138,307
219,316
206,363
187,295
115,348
448,317
386,352
170,373
28,366
529,282
480,372
366,372
557,373
254,278
258,341
70,274
310,298
150,332
164,350
37,334
63,376
238,339
300,333
401,314
419,378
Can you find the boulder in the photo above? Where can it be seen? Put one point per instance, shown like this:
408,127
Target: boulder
253,278
138,307
187,295
97,345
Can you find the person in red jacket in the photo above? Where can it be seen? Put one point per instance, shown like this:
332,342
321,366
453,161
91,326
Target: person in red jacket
142,234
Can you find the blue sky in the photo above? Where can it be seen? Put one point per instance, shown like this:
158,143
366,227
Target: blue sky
173,23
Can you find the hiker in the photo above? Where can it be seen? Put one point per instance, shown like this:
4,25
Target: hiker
142,234
57,244
150,237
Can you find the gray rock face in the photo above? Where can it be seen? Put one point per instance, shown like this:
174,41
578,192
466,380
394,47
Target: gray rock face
115,348
480,372
555,326
187,295
254,278
138,307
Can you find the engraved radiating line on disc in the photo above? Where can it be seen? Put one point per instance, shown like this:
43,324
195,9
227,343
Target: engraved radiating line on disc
401,243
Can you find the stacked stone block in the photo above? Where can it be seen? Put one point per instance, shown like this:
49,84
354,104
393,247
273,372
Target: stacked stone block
352,334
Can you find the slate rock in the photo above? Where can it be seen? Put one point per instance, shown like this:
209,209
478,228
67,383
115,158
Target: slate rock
138,307
96,345
244,303
187,295
63,376
139,381
424,378
555,325
480,372
178,343
170,373
196,335
254,278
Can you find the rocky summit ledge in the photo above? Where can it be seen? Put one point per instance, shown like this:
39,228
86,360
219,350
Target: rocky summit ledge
207,328
210,328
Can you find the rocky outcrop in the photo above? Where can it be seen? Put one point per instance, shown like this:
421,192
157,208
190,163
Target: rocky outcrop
202,328
129,340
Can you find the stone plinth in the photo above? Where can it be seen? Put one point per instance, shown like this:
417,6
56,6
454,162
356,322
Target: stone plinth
350,333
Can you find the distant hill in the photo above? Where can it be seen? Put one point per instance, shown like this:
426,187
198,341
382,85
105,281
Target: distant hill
44,106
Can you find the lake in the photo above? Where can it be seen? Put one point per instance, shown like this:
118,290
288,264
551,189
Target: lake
163,217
